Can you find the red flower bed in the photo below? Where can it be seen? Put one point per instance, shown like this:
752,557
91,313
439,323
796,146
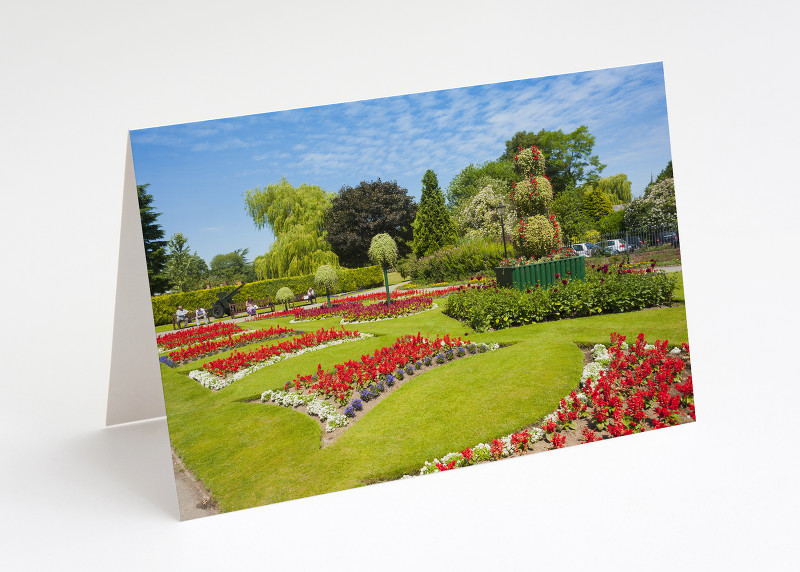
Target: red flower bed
203,349
641,389
382,311
197,335
323,311
240,360
351,375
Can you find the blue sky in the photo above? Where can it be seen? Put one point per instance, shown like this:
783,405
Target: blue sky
199,172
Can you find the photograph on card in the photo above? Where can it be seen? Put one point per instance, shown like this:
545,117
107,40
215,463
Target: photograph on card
379,290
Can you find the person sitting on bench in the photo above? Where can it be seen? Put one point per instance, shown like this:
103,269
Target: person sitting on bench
312,297
182,316
251,307
199,314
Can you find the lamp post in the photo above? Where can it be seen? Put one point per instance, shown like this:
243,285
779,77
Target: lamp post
501,211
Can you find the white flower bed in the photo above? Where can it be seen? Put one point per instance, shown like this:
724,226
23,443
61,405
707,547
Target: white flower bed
325,410
212,381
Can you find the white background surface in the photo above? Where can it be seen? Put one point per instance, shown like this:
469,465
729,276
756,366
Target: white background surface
717,494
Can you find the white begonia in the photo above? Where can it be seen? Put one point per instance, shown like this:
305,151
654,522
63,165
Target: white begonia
537,434
591,370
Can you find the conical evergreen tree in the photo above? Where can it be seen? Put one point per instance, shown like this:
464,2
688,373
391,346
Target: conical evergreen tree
433,228
154,244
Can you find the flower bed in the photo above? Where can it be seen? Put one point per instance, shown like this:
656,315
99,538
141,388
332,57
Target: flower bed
404,307
321,312
243,338
222,372
269,315
196,335
376,374
625,390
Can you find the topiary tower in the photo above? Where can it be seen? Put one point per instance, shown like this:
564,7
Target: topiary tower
284,296
326,277
383,251
537,234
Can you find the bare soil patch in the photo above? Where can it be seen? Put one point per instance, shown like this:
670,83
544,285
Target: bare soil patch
194,500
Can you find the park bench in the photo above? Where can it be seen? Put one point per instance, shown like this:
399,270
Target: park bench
262,303
190,316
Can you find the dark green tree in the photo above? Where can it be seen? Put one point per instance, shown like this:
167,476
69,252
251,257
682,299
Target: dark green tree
473,178
433,228
570,162
358,213
154,244
666,173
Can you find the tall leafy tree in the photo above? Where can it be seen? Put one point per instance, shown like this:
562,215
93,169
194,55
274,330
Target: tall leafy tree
617,188
596,204
570,162
433,228
473,178
184,270
575,222
359,213
154,244
231,267
294,214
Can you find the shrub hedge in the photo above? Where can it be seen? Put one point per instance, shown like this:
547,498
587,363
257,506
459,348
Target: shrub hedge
349,280
454,262
601,292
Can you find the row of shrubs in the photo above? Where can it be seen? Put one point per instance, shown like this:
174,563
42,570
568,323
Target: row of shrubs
601,292
349,280
453,263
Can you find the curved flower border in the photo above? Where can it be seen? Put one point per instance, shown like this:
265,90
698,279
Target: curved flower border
215,382
570,407
327,411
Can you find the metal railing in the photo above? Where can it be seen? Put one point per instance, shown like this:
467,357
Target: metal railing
651,238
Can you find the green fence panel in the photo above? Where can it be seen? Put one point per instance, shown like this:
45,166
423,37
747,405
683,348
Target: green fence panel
542,273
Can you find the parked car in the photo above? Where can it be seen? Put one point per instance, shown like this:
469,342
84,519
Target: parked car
614,246
667,237
581,249
636,242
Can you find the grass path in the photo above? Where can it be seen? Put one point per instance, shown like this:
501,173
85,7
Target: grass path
250,454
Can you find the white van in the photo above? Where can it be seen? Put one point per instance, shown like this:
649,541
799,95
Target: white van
614,246
581,249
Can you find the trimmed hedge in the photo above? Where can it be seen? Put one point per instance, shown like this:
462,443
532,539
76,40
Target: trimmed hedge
601,293
164,306
455,262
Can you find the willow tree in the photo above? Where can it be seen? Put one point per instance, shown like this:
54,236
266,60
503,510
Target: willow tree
617,188
294,214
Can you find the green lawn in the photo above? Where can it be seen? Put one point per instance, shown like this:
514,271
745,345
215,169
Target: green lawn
250,454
